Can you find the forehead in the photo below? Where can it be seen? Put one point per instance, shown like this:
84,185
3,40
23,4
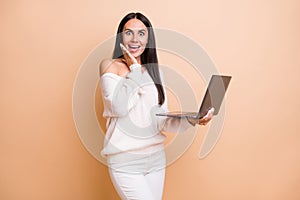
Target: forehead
135,24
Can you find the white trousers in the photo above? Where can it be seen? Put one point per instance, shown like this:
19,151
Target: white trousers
139,186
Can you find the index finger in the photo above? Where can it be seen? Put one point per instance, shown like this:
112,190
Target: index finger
124,48
128,53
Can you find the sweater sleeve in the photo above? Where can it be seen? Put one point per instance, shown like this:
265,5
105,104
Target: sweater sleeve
172,124
121,94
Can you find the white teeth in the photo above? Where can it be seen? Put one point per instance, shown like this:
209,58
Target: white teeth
134,47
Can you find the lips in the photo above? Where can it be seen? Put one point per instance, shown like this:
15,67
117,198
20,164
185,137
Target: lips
133,48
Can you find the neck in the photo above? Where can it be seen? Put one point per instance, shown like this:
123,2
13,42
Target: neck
138,59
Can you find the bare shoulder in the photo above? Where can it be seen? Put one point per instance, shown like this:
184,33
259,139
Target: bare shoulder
111,66
105,65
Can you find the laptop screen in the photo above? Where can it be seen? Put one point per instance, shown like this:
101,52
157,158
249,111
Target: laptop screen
214,94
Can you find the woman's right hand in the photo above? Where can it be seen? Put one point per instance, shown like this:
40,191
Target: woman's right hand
129,59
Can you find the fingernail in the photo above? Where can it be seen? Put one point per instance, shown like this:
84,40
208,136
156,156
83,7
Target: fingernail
122,46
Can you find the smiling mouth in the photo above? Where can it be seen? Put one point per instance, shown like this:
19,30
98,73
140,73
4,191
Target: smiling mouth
134,47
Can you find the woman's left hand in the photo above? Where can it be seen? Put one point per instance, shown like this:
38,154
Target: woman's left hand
204,120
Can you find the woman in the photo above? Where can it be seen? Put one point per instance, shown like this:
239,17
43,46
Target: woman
132,90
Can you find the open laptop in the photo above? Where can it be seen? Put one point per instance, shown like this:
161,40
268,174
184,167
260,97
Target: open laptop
213,98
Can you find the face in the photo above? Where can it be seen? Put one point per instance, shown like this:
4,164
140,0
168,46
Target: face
135,37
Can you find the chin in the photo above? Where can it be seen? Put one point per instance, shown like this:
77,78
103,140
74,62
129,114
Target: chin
137,54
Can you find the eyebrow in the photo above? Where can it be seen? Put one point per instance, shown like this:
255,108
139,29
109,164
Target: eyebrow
140,30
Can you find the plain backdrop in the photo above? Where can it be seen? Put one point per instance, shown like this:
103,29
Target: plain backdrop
43,44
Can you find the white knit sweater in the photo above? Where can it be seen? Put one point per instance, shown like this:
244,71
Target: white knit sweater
130,105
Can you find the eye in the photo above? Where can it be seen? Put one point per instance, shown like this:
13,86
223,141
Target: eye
141,33
128,32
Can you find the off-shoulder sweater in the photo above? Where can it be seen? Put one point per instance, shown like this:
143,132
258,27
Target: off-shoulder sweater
130,108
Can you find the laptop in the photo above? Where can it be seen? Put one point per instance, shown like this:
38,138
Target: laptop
213,98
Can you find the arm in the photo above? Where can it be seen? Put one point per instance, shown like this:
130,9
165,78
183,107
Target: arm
120,94
171,124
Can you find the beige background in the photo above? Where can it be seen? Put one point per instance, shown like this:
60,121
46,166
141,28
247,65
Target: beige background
43,44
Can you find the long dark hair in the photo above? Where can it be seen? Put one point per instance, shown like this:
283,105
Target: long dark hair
148,57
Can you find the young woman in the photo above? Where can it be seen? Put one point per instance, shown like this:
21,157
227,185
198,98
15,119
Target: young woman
133,92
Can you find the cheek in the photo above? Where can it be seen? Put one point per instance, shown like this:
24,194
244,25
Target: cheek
126,39
144,41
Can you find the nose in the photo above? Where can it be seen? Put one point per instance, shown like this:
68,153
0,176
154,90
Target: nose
135,38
